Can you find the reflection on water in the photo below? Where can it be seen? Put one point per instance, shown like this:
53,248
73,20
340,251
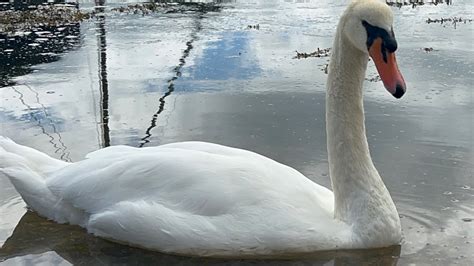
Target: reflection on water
177,73
225,59
40,114
103,84
206,76
18,53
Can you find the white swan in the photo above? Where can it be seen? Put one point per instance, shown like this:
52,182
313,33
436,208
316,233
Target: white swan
205,199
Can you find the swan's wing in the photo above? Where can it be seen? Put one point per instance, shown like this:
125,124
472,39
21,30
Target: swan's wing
188,179
280,174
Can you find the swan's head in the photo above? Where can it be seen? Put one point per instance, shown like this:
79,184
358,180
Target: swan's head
368,26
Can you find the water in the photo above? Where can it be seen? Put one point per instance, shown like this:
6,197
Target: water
150,80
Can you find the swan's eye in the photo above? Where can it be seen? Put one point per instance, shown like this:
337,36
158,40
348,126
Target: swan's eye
389,44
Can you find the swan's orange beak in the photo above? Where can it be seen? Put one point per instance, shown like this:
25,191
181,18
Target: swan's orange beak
387,67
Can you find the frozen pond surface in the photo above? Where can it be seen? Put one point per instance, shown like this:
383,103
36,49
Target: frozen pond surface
150,80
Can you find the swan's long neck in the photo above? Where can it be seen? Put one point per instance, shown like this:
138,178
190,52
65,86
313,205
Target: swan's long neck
360,194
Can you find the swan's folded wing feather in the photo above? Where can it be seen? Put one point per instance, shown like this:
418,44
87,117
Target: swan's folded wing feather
209,183
195,181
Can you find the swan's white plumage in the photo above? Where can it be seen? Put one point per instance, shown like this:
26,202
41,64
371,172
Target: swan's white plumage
205,199
195,198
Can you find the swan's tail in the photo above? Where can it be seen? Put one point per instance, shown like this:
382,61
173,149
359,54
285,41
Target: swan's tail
15,155
27,169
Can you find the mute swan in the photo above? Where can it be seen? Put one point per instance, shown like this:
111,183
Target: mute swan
204,199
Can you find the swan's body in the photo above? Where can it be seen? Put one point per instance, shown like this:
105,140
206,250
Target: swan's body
205,199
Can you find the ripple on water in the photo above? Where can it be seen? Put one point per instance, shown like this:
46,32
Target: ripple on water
441,237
